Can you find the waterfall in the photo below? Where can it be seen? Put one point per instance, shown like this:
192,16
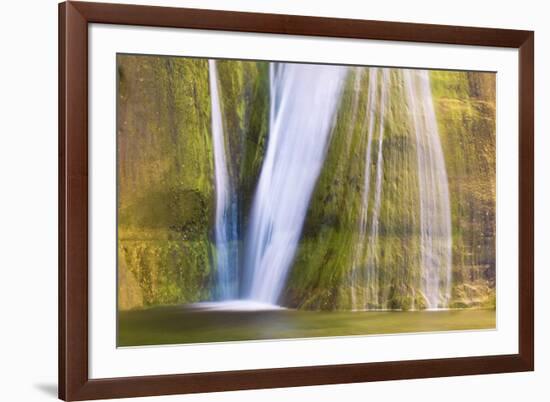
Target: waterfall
376,109
304,100
357,278
435,212
226,203
372,268
356,95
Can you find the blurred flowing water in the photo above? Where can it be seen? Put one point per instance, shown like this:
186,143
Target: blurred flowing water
226,229
304,100
435,210
430,177
376,110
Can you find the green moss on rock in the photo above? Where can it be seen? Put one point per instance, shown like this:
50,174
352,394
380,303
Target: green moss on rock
166,199
465,110
165,185
166,194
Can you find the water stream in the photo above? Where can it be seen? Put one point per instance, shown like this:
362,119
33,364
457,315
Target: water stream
226,231
435,210
365,275
304,100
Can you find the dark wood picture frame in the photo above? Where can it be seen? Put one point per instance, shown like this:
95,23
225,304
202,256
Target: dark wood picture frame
74,382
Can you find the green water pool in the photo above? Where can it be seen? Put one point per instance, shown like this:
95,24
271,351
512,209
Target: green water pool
180,324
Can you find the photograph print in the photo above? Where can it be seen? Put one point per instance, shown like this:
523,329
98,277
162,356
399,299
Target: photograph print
274,200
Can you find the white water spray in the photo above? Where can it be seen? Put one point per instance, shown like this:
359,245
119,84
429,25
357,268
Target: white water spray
376,110
435,211
304,100
226,205
372,260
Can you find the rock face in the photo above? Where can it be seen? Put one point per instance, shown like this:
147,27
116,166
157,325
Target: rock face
166,201
166,186
466,109
323,274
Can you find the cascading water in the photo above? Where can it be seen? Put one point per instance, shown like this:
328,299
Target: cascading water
371,256
303,104
360,250
226,234
375,111
435,211
432,192
304,101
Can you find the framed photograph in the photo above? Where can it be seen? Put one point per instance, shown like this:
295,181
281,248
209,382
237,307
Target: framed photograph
260,200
